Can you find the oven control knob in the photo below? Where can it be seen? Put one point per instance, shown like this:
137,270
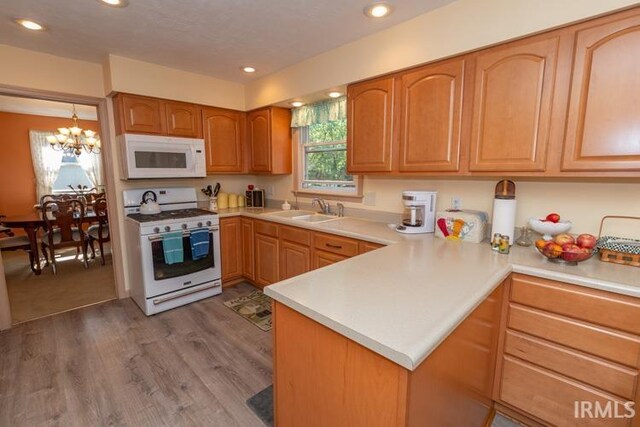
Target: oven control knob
156,229
167,228
199,224
184,226
208,223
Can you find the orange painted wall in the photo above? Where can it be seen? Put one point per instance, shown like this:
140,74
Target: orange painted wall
17,180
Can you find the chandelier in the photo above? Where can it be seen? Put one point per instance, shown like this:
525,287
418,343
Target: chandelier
74,139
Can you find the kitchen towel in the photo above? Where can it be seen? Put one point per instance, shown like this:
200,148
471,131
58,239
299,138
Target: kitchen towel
172,247
199,243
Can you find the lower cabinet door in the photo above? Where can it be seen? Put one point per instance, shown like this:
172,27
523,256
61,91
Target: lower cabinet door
231,248
294,260
266,253
248,258
322,258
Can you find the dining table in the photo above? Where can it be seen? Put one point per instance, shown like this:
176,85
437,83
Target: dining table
31,223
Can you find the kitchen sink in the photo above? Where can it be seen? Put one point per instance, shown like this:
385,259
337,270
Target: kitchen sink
290,214
315,218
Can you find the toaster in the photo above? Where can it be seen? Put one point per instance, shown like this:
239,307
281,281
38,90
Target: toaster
255,199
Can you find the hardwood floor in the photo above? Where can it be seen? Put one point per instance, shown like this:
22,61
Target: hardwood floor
109,364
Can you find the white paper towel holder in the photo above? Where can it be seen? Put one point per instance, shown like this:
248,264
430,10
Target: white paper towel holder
504,210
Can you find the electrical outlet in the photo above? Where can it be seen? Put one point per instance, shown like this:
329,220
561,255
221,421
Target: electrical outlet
369,199
270,190
456,203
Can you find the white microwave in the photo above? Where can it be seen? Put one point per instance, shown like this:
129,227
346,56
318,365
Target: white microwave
152,156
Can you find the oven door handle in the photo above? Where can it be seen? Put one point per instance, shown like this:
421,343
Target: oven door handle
156,237
157,301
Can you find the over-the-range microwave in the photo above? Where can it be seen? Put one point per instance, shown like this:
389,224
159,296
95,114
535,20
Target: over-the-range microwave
152,156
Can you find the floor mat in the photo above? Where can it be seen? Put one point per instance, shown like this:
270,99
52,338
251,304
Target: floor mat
262,404
255,307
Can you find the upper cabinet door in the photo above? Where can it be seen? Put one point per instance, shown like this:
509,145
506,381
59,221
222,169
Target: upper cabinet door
140,114
431,118
183,119
370,126
260,140
512,106
603,123
223,140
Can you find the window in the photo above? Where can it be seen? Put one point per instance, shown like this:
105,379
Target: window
323,159
71,173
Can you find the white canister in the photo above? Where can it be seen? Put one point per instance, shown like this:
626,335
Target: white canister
213,204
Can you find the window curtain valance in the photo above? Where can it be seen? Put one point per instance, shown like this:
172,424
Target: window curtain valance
320,112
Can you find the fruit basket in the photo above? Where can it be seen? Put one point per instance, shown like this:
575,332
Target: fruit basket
565,249
619,250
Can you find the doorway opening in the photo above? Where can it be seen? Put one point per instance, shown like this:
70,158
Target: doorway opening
54,207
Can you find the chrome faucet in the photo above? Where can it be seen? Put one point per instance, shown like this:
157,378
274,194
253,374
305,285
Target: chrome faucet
340,207
325,208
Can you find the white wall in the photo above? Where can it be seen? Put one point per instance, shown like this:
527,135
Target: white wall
455,28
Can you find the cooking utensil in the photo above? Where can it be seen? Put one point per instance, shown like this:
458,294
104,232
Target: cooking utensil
216,190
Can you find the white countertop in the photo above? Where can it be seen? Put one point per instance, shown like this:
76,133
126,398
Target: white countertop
403,300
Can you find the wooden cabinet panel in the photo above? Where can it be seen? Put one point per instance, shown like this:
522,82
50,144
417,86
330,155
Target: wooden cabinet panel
322,258
248,259
231,248
336,244
603,308
266,228
370,126
183,119
599,373
138,114
603,124
267,264
223,139
615,346
431,118
295,235
364,247
295,259
269,134
551,397
512,106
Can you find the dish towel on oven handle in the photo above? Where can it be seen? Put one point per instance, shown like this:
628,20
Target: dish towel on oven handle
199,243
172,247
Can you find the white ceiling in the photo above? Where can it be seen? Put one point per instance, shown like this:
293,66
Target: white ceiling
12,104
211,37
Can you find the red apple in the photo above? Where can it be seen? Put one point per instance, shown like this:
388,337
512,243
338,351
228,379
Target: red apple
571,252
553,217
585,253
564,239
586,241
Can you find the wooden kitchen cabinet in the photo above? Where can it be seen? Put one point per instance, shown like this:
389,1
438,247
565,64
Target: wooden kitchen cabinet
562,343
248,247
512,105
231,248
224,140
364,247
138,114
182,119
323,259
431,117
603,124
295,251
267,251
370,125
269,139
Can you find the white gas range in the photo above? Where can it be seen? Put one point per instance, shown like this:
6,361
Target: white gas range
155,285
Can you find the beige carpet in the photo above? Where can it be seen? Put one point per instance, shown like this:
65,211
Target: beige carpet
74,286
255,307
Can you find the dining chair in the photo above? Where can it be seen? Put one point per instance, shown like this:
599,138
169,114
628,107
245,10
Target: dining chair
10,242
99,232
5,231
63,224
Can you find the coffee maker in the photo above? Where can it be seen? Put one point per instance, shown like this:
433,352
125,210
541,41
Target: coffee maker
419,212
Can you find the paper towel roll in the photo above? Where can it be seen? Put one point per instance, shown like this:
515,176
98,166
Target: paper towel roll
504,218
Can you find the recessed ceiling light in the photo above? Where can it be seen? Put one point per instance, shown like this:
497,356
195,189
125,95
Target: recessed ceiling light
29,24
334,94
297,104
115,3
249,69
378,10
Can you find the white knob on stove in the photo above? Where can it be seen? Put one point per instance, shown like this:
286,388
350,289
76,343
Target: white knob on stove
199,224
184,226
167,228
208,223
156,229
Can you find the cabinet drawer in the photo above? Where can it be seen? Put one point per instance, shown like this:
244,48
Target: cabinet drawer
552,397
266,228
364,247
611,345
295,235
596,372
604,308
337,245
